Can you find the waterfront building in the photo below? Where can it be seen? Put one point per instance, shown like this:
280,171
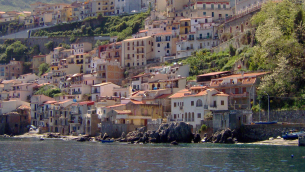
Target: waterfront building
36,113
192,105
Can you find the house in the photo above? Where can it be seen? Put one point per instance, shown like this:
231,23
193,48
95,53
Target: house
37,61
16,122
108,71
59,117
191,105
232,119
205,79
137,51
111,52
105,7
22,91
241,88
79,113
36,114
11,70
11,105
102,89
26,78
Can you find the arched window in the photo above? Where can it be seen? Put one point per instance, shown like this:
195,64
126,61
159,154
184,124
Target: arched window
158,45
199,103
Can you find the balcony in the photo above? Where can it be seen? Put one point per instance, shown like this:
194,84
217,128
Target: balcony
76,92
116,56
184,25
204,37
95,91
140,52
191,39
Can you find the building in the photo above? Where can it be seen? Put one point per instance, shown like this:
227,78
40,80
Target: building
36,115
240,87
37,61
16,122
11,70
137,51
191,105
102,89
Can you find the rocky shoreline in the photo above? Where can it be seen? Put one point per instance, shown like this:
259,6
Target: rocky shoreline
174,133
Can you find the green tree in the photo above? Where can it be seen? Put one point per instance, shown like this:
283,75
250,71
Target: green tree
49,45
44,67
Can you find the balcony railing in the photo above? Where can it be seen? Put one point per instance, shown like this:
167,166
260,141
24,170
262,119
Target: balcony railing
76,92
204,37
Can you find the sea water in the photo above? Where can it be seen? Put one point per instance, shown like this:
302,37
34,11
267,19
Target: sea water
58,155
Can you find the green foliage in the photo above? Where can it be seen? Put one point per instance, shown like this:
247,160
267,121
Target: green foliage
27,67
64,45
44,67
49,45
47,90
203,128
232,50
121,26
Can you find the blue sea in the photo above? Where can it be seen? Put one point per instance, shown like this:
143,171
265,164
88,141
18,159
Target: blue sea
59,155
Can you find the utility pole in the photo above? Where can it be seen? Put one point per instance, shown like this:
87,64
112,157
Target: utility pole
268,105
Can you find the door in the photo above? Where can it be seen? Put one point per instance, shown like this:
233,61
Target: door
236,90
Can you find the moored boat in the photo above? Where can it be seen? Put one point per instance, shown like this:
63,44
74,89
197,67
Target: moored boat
107,141
292,135
266,122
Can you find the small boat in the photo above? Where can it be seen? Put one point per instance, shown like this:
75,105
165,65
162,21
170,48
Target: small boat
41,138
107,141
266,122
292,135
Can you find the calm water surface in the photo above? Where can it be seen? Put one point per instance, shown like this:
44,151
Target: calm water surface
58,155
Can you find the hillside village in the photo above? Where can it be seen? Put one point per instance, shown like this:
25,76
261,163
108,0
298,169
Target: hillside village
121,86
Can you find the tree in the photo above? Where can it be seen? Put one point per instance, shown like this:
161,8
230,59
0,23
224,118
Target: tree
49,45
44,67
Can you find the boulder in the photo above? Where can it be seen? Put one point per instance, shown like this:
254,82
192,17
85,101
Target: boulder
197,138
223,136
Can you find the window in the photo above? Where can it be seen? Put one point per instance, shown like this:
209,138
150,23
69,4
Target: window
204,13
199,103
199,115
175,104
158,45
224,6
219,6
192,103
212,14
203,6
212,6
222,102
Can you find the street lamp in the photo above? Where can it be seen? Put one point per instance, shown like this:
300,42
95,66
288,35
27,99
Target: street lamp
268,105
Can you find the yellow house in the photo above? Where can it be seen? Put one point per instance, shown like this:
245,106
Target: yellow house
37,61
66,14
106,7
185,26
137,51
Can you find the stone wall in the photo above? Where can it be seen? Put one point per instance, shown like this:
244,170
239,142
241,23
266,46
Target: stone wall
265,131
294,116
116,130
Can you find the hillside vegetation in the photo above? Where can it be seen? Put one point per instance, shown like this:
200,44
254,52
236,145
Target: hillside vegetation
24,5
121,26
279,48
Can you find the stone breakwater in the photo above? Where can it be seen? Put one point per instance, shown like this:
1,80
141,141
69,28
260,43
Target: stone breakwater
167,133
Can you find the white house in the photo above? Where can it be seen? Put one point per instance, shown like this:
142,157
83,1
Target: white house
103,89
191,105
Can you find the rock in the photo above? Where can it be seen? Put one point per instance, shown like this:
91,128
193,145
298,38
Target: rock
105,136
123,136
223,136
197,138
179,132
174,143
